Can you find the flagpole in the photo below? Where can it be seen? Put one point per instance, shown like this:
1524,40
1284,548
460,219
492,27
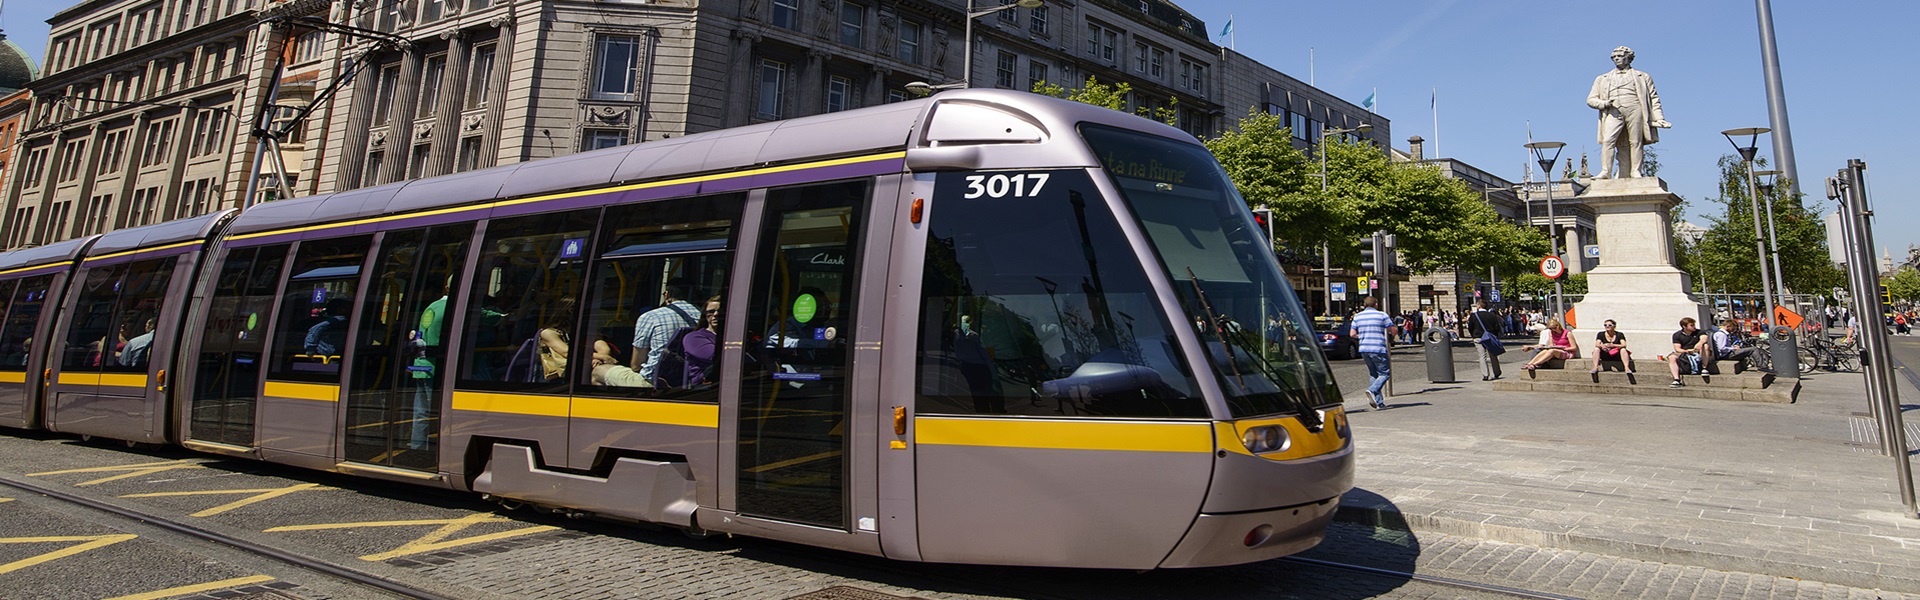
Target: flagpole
1309,65
1435,107
1233,38
1373,101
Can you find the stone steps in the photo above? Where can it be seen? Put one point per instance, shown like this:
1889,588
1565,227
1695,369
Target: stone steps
1651,379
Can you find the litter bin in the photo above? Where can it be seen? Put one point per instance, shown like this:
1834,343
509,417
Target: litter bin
1439,356
1786,354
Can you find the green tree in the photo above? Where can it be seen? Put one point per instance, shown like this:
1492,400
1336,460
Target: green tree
1726,253
1260,158
1438,221
1110,96
1904,285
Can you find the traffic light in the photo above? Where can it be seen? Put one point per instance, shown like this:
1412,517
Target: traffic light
1370,253
1264,218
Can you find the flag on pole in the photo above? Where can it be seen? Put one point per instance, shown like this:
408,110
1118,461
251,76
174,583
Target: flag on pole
1228,29
1368,103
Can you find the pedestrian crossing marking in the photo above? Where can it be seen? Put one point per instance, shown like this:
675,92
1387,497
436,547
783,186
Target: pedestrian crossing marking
196,588
435,540
260,495
87,542
134,470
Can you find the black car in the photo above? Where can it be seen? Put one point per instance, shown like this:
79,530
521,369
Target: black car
1336,338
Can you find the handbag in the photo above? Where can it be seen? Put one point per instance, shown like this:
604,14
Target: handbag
1487,340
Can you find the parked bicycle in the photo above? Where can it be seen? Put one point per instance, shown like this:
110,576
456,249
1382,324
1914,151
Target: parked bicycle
1832,354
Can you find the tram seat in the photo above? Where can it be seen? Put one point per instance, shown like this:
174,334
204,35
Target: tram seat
524,367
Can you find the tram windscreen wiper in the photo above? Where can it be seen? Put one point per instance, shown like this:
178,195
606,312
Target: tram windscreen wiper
1241,339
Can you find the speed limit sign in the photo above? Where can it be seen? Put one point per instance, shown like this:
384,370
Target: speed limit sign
1552,267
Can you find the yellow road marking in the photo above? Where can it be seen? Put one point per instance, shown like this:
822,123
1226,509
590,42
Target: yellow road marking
196,588
431,541
259,496
89,542
793,461
132,470
6,499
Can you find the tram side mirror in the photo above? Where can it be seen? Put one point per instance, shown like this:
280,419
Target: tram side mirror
1102,378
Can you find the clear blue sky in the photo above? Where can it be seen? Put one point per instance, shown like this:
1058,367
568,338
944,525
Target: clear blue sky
1498,64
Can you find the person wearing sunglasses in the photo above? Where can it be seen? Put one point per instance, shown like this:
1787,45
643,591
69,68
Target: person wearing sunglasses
1611,345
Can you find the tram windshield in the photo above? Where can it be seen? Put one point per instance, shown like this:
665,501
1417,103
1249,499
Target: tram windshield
1231,291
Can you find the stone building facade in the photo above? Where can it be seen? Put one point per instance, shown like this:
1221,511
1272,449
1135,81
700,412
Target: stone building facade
146,107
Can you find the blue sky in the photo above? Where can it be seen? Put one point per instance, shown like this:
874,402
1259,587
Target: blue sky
1498,64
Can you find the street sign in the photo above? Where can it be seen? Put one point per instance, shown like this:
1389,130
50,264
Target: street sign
1363,284
1496,295
1552,268
1339,287
1787,317
1341,296
1593,251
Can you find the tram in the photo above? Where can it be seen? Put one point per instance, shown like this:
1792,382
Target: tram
981,327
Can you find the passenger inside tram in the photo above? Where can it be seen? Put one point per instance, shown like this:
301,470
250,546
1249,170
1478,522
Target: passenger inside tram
325,338
134,352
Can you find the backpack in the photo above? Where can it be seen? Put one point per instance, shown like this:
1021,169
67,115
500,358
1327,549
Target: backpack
671,370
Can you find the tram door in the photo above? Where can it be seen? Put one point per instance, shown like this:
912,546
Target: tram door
233,346
794,392
393,398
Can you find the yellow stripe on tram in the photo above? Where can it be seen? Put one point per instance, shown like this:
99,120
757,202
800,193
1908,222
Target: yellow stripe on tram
1066,435
480,209
513,404
13,376
133,380
139,250
636,411
303,391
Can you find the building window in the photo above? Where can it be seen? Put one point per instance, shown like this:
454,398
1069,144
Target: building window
432,10
310,46
773,95
838,90
73,156
469,158
1299,123
95,219
34,167
56,225
389,15
197,197
143,207
1100,42
480,76
1157,65
1193,75
897,96
370,173
853,24
615,58
1037,20
22,218
383,93
1036,74
909,48
417,164
786,13
1010,13
596,139
1003,69
431,74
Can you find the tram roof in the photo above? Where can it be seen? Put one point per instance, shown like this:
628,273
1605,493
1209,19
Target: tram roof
893,126
57,252
159,234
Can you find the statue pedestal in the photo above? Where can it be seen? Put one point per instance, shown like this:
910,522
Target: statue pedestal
1636,283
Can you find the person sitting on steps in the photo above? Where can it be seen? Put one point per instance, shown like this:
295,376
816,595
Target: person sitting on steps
1557,344
1611,345
1690,351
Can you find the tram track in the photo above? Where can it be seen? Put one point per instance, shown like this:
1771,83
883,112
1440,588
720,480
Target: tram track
330,569
1431,579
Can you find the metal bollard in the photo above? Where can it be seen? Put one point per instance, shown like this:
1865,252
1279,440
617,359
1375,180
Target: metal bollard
1439,356
1785,353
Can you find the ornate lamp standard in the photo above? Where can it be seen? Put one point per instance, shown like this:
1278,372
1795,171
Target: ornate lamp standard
922,88
1540,150
1753,194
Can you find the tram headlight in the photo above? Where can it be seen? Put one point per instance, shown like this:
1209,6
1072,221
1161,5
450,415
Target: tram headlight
1270,438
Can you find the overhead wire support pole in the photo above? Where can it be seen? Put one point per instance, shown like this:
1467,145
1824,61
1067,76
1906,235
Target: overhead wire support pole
263,119
1873,333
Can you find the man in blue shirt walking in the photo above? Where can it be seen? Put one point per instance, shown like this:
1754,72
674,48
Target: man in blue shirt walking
1372,328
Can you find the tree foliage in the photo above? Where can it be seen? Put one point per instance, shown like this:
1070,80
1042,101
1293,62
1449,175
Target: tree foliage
1726,254
1260,158
1904,285
1109,96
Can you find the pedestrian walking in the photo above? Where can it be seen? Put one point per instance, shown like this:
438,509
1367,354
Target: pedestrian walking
1373,329
1484,326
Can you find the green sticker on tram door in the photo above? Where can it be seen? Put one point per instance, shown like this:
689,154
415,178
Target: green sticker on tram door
253,320
804,308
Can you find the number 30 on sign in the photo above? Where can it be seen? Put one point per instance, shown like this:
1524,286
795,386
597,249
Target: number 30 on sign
1552,267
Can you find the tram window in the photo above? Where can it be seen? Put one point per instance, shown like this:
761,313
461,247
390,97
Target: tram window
644,347
6,300
233,344
90,327
137,315
522,315
23,315
1263,347
310,337
1046,315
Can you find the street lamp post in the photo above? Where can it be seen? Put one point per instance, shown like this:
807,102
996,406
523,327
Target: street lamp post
966,62
1747,153
1540,150
1326,258
1773,239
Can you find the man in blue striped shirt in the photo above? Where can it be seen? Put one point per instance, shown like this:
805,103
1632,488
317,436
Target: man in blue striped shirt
1372,328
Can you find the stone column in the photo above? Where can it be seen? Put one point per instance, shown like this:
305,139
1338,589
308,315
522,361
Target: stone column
1576,253
1636,283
